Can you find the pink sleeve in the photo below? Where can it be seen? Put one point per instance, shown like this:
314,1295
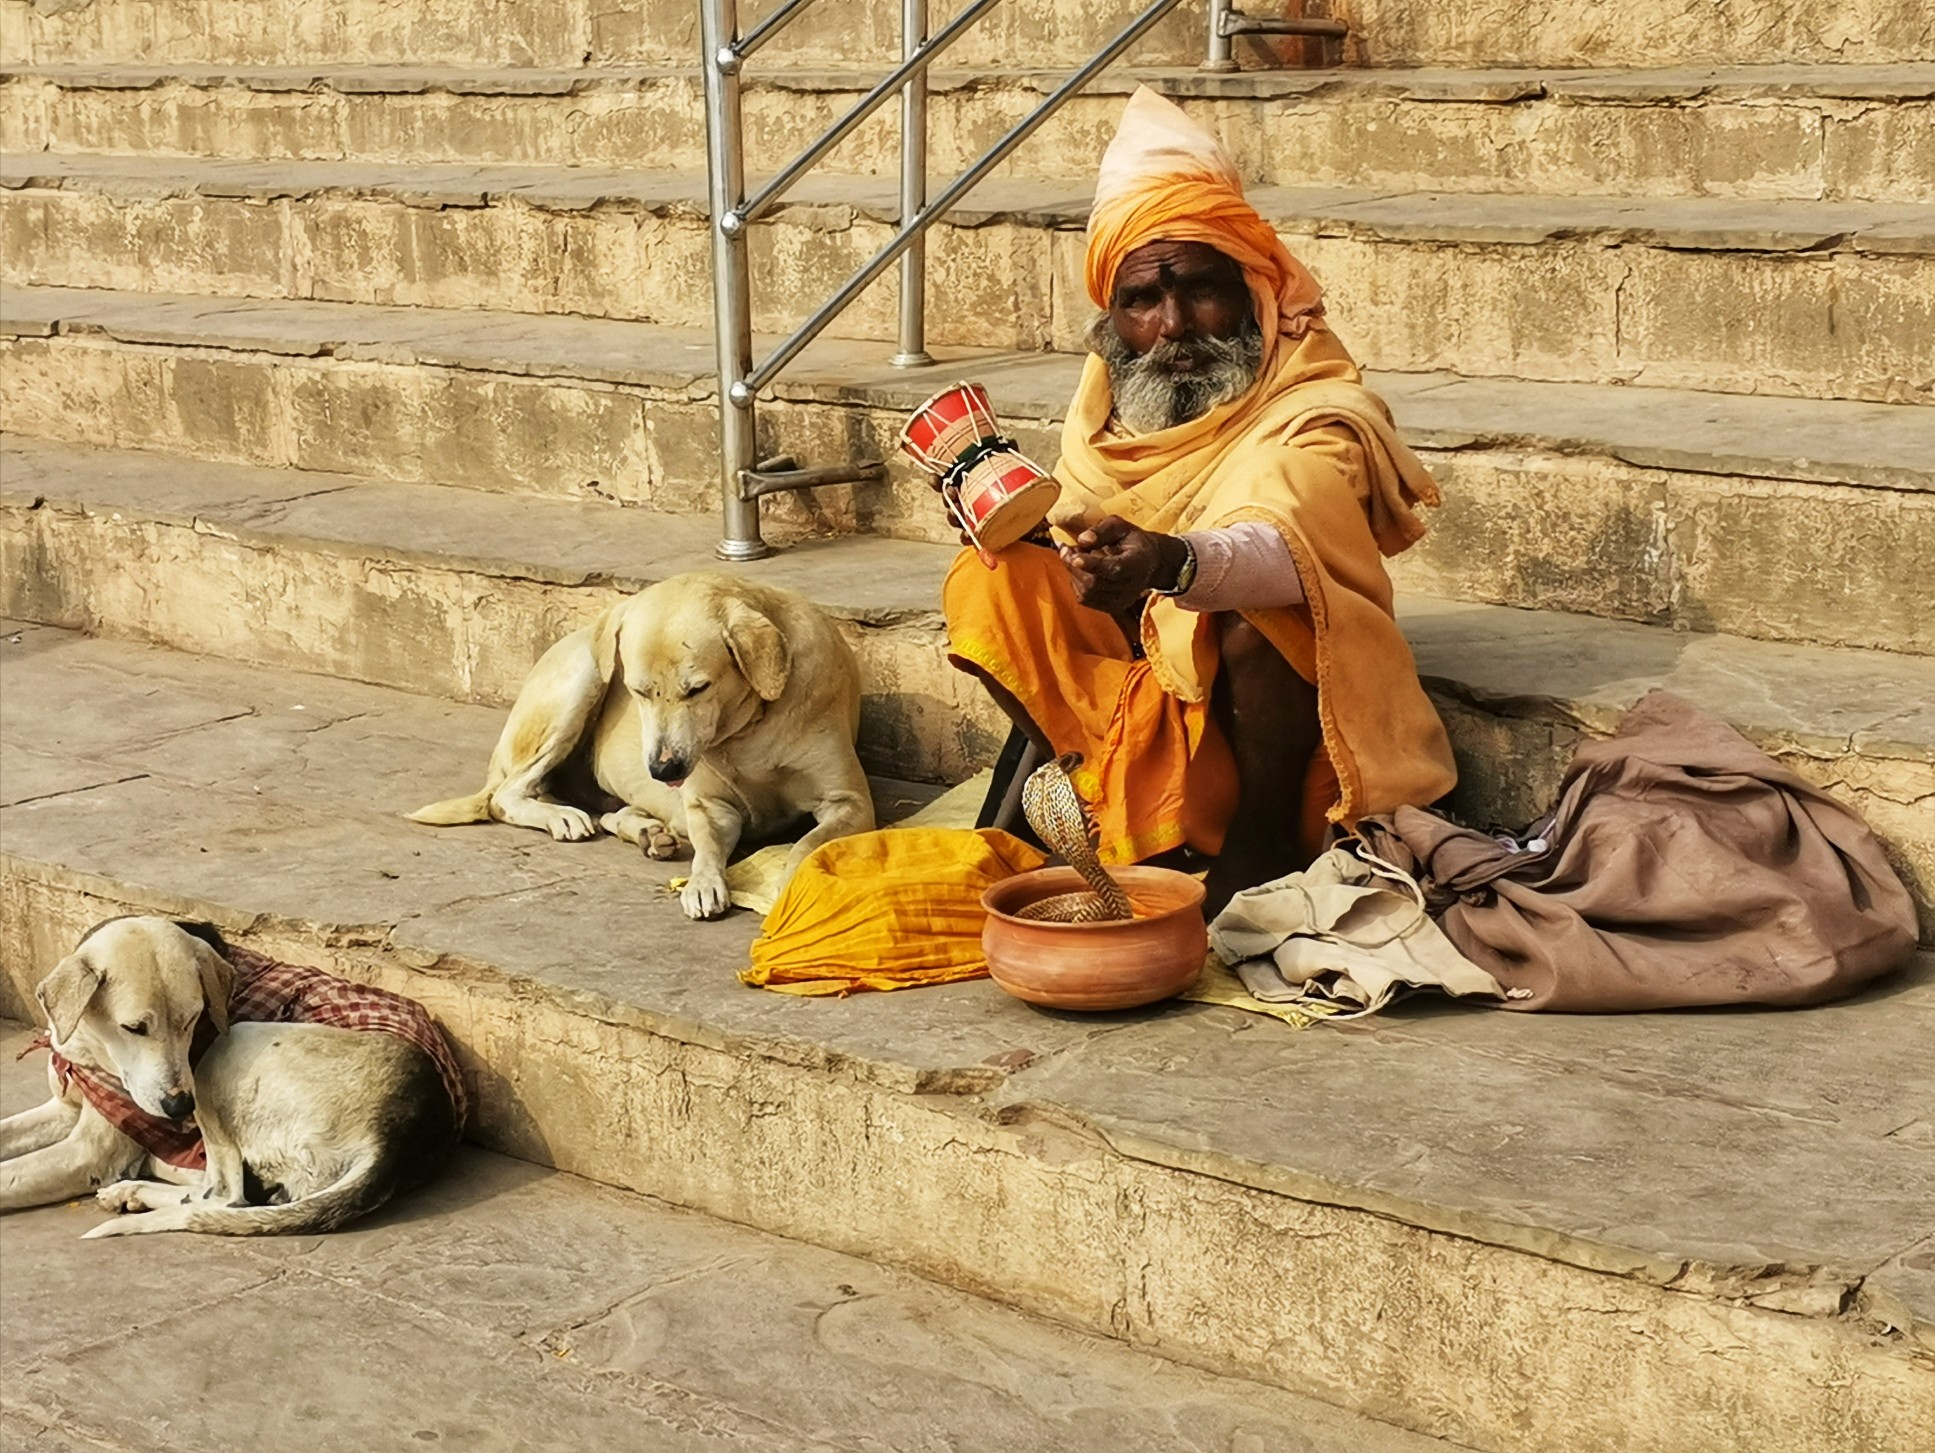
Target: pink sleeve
1241,567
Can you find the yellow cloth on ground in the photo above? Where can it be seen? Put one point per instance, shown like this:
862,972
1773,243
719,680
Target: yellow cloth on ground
1219,985
886,910
1165,178
821,929
755,880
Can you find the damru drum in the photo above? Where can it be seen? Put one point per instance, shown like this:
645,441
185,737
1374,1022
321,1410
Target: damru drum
993,492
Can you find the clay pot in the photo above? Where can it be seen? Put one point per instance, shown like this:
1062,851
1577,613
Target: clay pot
1096,965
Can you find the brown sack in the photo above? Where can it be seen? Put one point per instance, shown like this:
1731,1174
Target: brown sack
1682,866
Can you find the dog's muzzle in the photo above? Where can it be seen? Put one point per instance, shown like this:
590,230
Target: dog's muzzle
178,1104
672,772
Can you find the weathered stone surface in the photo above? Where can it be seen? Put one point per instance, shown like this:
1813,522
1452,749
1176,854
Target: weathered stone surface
424,590
576,34
621,1319
1638,33
1775,132
1706,552
1522,1265
310,576
1739,296
1033,33
1822,441
1654,505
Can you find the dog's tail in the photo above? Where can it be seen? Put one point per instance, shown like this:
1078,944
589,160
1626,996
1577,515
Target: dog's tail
454,810
360,1189
403,1149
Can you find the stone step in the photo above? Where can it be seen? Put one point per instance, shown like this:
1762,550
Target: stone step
1765,517
438,590
565,1314
1024,32
1834,133
1644,1234
471,1303
449,593
511,1308
1812,299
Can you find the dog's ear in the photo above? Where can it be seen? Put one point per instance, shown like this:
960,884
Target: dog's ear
64,994
758,649
218,982
604,644
208,933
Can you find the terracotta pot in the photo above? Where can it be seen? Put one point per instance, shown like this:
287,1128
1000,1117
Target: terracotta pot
1096,965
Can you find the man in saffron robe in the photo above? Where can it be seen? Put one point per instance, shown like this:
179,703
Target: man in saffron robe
1212,627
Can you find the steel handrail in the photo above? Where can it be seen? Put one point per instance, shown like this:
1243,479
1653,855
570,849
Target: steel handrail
771,26
732,213
764,200
939,207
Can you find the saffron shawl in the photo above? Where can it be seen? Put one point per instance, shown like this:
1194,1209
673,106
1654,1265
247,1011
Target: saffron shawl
1164,178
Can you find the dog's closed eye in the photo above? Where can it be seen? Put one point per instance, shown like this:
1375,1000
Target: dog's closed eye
693,690
138,1029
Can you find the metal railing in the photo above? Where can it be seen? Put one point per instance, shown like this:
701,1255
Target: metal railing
1226,22
743,481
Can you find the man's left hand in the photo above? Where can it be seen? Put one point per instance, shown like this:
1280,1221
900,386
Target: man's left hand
1116,563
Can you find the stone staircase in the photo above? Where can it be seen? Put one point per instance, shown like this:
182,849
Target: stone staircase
370,342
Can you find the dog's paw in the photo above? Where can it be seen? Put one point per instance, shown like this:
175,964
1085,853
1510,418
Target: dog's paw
125,1196
568,824
706,895
651,835
661,843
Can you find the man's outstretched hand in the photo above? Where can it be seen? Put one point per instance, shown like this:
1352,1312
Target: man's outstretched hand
1116,563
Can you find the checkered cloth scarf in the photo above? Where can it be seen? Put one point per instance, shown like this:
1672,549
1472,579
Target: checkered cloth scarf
266,992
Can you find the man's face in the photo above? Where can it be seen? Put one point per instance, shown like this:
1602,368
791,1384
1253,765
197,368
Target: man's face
1178,292
1180,336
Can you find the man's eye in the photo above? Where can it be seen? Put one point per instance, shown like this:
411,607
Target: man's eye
136,1029
694,690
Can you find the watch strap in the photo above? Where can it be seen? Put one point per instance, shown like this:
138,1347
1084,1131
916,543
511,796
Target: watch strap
1185,573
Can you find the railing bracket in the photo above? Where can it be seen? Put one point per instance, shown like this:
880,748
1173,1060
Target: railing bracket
783,473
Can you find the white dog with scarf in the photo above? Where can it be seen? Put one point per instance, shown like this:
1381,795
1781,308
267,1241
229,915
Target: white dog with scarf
267,1098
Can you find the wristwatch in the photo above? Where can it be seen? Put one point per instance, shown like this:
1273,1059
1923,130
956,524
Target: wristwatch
1185,573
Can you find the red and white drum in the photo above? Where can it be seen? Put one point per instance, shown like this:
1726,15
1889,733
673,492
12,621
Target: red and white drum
993,491
947,426
1000,497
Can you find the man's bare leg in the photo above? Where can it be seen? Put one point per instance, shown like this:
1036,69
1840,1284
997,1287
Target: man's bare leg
1269,714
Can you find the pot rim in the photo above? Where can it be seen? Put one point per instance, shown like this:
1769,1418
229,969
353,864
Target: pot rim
1128,876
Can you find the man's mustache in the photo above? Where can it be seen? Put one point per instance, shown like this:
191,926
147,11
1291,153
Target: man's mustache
1196,352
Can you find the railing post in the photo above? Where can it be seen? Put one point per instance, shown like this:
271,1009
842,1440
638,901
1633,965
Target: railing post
731,301
1221,53
913,191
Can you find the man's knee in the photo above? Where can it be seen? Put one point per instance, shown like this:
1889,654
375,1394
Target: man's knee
1250,656
1239,642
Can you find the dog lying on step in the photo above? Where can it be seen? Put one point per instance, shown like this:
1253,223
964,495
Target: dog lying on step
709,706
270,1098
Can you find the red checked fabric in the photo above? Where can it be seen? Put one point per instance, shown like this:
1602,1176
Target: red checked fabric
267,992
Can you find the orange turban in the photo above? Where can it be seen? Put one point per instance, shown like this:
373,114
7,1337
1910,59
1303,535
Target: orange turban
1165,179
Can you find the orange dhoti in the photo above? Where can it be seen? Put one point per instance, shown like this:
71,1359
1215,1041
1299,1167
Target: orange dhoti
1156,770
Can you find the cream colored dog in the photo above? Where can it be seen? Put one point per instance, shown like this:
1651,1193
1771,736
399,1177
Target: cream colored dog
710,706
305,1125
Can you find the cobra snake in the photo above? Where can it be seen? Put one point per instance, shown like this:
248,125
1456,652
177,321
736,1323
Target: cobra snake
1055,810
